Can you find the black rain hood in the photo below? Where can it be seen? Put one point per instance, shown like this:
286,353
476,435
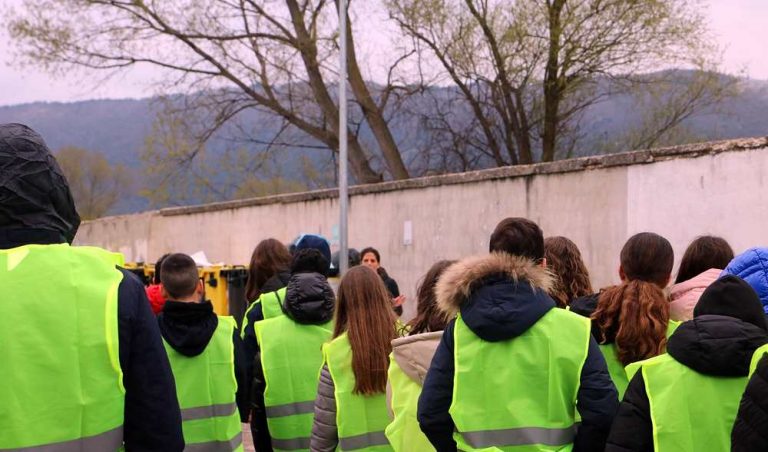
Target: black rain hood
34,194
500,296
188,327
728,325
309,298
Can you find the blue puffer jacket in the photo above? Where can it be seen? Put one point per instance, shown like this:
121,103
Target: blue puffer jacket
752,267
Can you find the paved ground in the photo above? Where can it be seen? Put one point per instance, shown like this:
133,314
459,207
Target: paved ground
247,439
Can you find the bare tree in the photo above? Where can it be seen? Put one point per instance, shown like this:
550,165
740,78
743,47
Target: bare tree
96,185
528,69
240,54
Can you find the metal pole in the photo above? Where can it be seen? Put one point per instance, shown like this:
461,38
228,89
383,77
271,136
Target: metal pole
343,188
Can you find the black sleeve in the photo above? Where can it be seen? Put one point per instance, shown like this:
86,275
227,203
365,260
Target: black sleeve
243,385
436,396
250,346
632,429
152,415
597,401
262,440
392,287
750,432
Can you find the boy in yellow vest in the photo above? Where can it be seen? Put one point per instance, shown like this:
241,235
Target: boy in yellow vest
205,352
512,369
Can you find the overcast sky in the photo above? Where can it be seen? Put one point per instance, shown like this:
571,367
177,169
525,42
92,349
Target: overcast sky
738,25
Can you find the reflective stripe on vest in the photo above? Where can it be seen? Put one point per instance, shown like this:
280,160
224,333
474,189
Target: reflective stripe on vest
616,369
403,432
360,420
756,357
61,381
206,387
689,410
291,358
537,410
271,306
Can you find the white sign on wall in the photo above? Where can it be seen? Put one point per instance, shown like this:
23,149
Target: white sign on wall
407,233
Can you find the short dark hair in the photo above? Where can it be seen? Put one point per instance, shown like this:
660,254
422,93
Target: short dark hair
519,237
179,275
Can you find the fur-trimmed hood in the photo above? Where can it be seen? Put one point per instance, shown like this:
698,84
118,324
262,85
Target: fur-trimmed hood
498,295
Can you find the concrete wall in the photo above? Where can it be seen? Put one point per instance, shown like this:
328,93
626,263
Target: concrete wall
598,202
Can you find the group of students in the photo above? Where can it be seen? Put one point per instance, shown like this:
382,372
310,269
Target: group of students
511,350
515,350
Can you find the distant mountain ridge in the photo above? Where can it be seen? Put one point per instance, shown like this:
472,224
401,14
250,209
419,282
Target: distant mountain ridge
117,128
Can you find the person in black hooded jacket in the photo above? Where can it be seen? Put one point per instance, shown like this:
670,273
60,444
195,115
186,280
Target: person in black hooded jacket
309,300
36,208
500,297
728,326
188,325
750,432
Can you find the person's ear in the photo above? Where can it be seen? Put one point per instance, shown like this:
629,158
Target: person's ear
543,262
669,278
164,292
622,275
199,289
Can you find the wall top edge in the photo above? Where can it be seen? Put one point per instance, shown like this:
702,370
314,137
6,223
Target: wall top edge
561,166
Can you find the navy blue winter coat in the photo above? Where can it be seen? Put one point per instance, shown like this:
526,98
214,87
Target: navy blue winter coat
504,297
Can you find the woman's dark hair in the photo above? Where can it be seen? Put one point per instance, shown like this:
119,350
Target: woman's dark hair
364,312
635,314
702,254
370,250
158,268
428,316
269,258
564,260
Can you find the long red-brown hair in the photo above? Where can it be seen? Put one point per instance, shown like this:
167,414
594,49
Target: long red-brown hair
635,314
564,260
364,312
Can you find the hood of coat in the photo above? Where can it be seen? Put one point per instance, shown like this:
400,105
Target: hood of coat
498,295
699,282
309,298
716,345
34,194
684,296
752,267
187,327
414,354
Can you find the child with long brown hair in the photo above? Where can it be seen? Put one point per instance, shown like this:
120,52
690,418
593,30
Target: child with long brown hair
410,361
631,321
564,260
350,409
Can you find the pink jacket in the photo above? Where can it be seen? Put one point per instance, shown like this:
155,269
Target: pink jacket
684,296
